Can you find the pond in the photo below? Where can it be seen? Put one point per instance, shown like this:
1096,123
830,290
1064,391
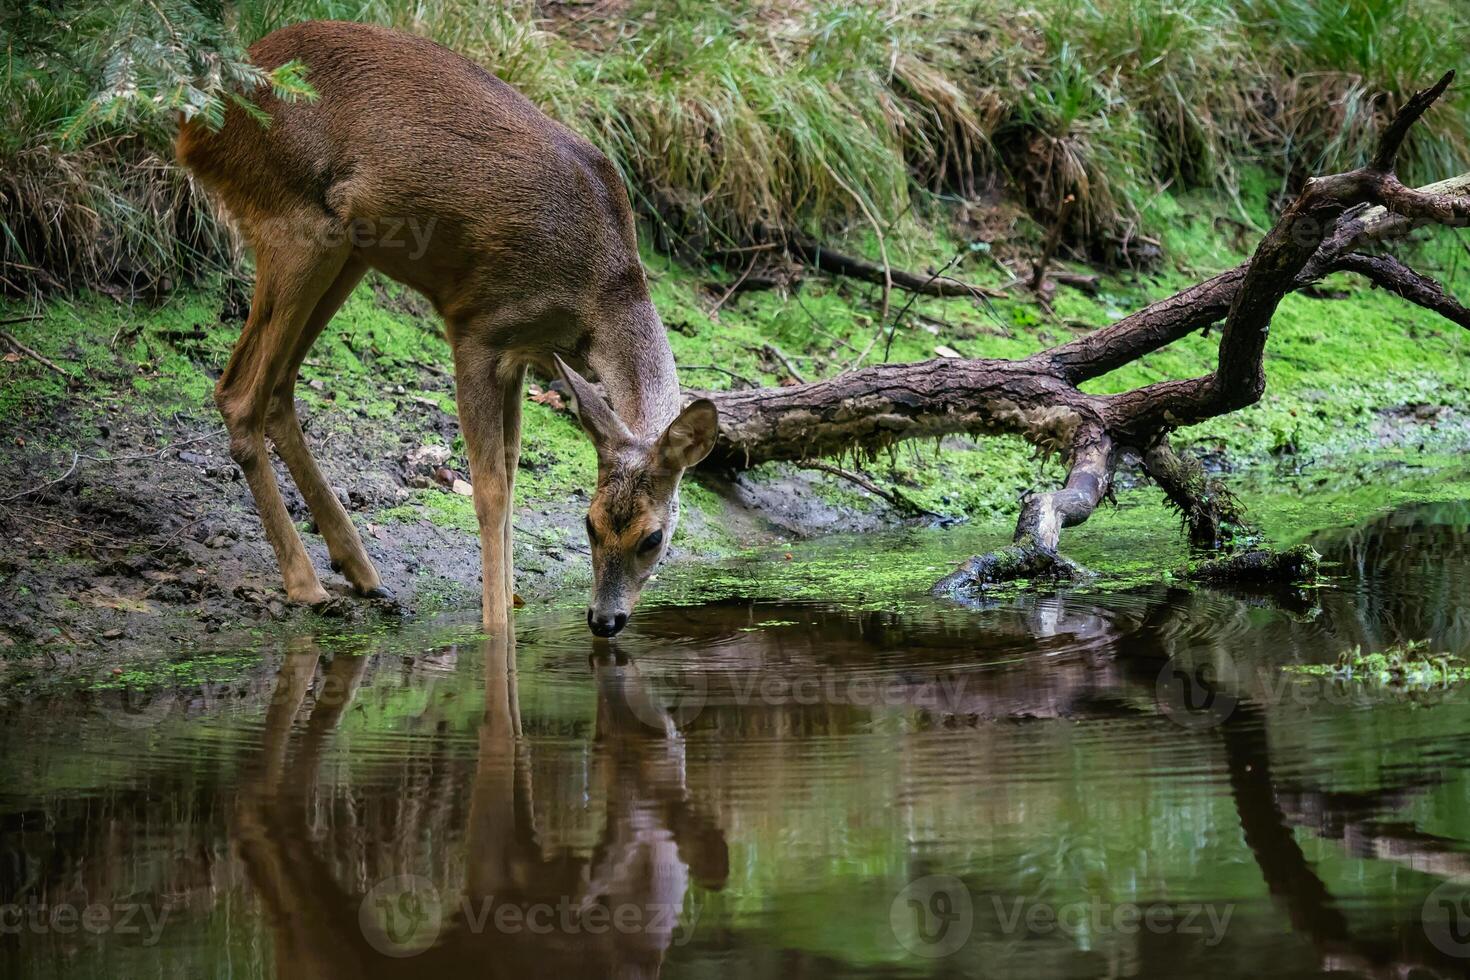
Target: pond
1095,782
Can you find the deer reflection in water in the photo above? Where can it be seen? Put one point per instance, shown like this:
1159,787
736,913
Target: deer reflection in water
614,913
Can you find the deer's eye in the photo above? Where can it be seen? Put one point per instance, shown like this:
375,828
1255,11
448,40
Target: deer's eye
650,544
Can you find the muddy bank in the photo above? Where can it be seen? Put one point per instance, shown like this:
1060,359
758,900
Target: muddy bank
123,544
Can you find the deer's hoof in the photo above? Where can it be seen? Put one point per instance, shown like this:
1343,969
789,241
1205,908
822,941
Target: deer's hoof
380,592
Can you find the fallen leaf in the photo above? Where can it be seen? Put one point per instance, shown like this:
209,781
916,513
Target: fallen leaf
12,358
551,399
516,600
944,351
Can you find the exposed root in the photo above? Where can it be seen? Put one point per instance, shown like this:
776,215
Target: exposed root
1212,514
1039,528
1299,564
1021,561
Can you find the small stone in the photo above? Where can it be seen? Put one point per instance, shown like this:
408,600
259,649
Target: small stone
463,489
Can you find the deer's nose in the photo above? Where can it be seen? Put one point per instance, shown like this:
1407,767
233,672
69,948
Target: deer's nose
603,624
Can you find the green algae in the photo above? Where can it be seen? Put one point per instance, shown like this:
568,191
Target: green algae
1405,665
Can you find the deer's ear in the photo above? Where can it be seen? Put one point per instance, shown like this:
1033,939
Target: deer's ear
607,430
691,436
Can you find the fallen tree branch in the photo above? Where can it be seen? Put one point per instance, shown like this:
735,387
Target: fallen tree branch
20,348
1039,528
1211,513
1038,397
840,264
1387,272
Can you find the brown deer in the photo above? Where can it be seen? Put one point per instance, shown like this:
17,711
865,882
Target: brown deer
528,251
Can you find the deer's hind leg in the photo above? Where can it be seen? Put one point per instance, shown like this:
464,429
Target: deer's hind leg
343,542
291,277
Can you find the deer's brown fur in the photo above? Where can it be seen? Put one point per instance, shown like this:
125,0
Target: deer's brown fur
418,163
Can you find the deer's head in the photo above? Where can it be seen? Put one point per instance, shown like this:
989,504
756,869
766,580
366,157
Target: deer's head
635,507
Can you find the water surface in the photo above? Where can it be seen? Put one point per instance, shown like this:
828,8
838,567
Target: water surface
1085,784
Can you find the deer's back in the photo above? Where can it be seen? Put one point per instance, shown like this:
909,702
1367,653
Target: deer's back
445,177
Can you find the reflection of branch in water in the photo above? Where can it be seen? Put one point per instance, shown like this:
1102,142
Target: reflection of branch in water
1412,567
653,839
1291,879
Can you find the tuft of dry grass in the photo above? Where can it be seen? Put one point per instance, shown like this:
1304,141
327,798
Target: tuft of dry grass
819,115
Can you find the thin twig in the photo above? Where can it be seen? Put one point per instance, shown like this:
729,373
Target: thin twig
733,287
887,347
821,327
76,458
719,370
1053,239
893,497
784,361
9,338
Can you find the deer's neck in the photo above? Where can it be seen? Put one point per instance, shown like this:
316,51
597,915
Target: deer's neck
631,355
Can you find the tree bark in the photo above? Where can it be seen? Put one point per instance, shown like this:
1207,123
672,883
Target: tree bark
1038,397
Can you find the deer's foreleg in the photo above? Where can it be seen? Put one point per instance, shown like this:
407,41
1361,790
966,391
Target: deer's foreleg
481,392
513,392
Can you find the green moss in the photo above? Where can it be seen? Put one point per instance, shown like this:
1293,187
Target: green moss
556,458
1409,665
439,507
